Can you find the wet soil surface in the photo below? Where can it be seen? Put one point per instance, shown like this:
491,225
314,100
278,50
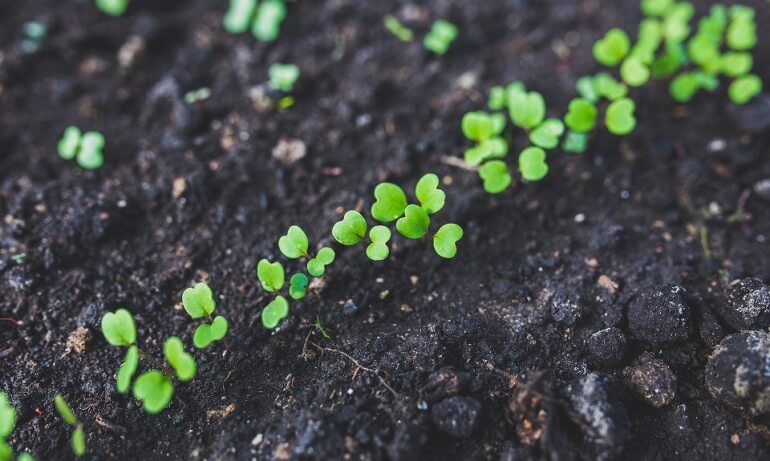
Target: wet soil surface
576,322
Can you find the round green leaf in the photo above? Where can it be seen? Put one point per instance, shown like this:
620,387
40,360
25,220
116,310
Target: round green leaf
656,7
351,229
445,240
298,285
612,48
317,266
118,328
183,363
581,116
219,328
112,7
64,410
378,250
127,370
495,176
69,143
238,17
620,117
527,110
415,222
735,64
745,88
431,198
154,389
198,301
606,85
547,134
634,72
271,275
575,142
532,164
267,23
78,441
477,126
283,76
390,202
274,312
294,244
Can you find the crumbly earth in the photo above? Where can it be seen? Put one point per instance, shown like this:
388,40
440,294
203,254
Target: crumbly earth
495,339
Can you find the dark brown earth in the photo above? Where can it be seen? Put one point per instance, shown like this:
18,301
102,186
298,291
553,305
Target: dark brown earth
489,356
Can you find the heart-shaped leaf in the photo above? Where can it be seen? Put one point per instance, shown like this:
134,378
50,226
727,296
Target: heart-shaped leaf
547,134
607,87
445,240
351,230
390,202
283,76
69,143
205,334
118,328
415,222
219,328
317,266
527,110
430,196
480,126
183,363
267,22
298,285
495,176
271,275
274,312
735,64
634,72
620,117
575,142
112,7
581,116
532,164
238,17
198,301
612,48
655,7
743,89
154,389
491,148
378,250
294,244
127,370
64,410
90,155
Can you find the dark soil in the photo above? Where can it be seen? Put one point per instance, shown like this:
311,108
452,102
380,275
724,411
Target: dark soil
486,357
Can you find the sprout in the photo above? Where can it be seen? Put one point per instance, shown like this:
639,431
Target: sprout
656,7
634,71
527,110
734,64
283,76
612,48
85,148
239,16
78,440
607,87
127,369
206,333
7,423
112,7
486,130
378,250
575,142
264,18
672,59
532,164
154,390
298,285
676,23
183,363
685,85
742,31
400,31
495,176
118,328
445,240
440,37
294,244
620,119
415,222
317,266
351,230
274,312
431,198
581,116
745,88
199,302
390,202
497,98
547,134
271,275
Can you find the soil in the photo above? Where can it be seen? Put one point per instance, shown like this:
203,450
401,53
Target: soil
489,356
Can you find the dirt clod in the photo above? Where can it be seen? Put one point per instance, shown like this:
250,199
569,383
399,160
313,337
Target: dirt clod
599,410
606,348
652,380
456,416
746,305
660,316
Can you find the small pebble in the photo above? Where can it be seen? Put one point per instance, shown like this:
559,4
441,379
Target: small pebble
606,348
762,188
746,305
737,372
660,316
652,380
456,416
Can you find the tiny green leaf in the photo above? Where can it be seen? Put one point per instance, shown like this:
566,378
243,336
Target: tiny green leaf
742,33
294,244
238,17
489,148
400,31
198,301
656,7
274,312
7,416
734,64
378,250
743,89
480,126
581,116
298,285
283,76
415,222
495,176
440,37
431,198
532,164
267,23
634,71
607,87
90,155
351,229
112,7
586,87
575,142
64,410
78,441
127,370
684,87
547,134
317,266
390,202
183,363
676,22
69,143
271,275
612,48
119,328
445,240
154,389
620,117
496,98
205,334
527,110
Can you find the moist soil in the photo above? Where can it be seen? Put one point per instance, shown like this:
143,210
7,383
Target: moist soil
490,356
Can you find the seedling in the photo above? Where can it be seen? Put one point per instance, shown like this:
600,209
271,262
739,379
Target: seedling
495,176
440,37
445,240
742,31
274,312
745,88
199,302
351,230
656,7
620,119
378,250
154,389
78,440
581,116
399,30
112,7
85,148
7,423
612,48
635,72
183,363
264,18
575,142
486,130
527,109
532,164
283,76
294,245
547,134
298,285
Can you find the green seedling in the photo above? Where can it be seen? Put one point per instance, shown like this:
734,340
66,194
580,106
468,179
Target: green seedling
183,363
264,18
620,119
195,96
112,7
527,109
547,134
581,116
676,22
298,285
532,164
431,198
317,266
445,240
673,58
283,76
295,244
378,249
486,130
635,72
239,16
495,176
274,312
606,86
743,89
440,37
199,302
7,423
119,328
34,34
656,7
735,64
575,142
684,87
271,275
85,148
399,30
415,222
497,98
612,48
390,202
154,389
127,369
78,440
742,31
351,230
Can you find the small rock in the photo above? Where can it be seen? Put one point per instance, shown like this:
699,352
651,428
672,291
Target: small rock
289,151
711,332
456,416
77,340
350,308
444,383
599,411
737,372
565,309
660,316
762,188
606,348
652,380
747,305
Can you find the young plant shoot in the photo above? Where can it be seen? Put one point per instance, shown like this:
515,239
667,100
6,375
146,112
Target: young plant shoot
398,30
78,439
440,37
112,7
283,76
7,424
199,303
85,148
263,18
